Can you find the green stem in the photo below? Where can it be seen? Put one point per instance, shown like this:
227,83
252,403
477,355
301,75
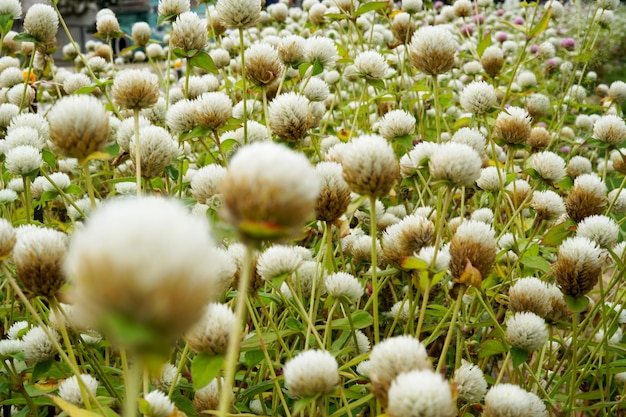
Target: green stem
90,190
179,370
30,71
455,315
138,152
573,386
374,268
437,107
232,353
244,87
27,198
420,321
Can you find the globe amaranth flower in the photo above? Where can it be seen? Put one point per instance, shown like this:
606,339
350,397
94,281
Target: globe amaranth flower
311,373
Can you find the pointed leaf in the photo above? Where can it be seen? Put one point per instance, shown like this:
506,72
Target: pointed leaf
71,409
484,44
491,347
25,37
519,356
411,262
536,262
577,304
204,61
368,7
542,24
204,368
556,235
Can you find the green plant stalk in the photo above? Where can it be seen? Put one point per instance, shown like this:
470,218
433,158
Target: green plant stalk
268,316
354,125
329,325
234,342
573,387
437,107
73,368
132,379
90,191
268,360
420,321
168,74
455,314
244,86
187,74
179,370
30,71
304,315
374,255
138,151
266,114
27,198
62,193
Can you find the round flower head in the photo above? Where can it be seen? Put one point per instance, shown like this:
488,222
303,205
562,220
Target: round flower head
344,287
311,373
513,126
587,197
539,139
290,116
205,182
37,346
189,33
13,8
599,228
181,116
170,8
157,148
406,238
321,49
107,25
316,90
208,397
420,393
508,400
473,245
537,105
492,60
141,33
397,123
211,334
403,27
135,89
610,129
23,160
470,382
69,390
619,198
548,205
432,50
42,23
526,331
263,65
392,357
456,163
548,165
489,180
269,191
79,126
291,50
369,165
530,295
478,97
133,252
334,196
577,267
34,120
371,65
472,138
239,13
159,405
38,257
617,91
277,261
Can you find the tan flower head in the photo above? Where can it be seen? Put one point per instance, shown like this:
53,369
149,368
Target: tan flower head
263,65
269,191
239,13
406,238
211,334
135,89
189,32
587,197
157,148
513,126
290,116
432,50
492,60
141,33
334,196
473,246
41,22
369,165
213,109
577,267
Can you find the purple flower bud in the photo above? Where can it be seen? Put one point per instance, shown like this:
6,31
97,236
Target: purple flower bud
479,18
500,12
565,149
568,43
534,48
501,36
438,5
467,30
518,20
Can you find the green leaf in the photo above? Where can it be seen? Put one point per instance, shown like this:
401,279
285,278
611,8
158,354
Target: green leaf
128,49
204,368
360,320
556,235
74,189
197,132
172,172
380,84
577,304
518,356
318,68
542,24
180,53
71,409
294,324
303,68
25,37
48,158
166,18
204,61
484,43
411,262
406,141
40,369
184,404
88,89
253,357
536,262
6,21
368,7
491,347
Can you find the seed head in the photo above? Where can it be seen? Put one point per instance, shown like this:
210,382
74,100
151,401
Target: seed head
141,33
397,123
42,23
290,116
577,267
157,148
344,287
70,390
189,32
610,129
407,237
239,13
432,50
470,382
456,163
513,126
478,97
526,331
587,197
506,400
492,60
371,65
421,393
473,245
601,229
334,196
311,373
548,165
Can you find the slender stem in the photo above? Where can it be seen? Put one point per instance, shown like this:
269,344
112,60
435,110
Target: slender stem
187,74
573,388
420,321
30,71
266,113
244,86
27,198
455,315
138,152
232,354
132,378
179,369
437,107
374,268
329,326
90,191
